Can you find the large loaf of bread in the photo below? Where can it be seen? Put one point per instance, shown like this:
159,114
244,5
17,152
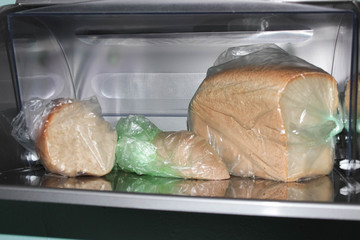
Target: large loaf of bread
273,120
75,140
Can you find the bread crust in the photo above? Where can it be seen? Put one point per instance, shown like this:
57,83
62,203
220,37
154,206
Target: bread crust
42,140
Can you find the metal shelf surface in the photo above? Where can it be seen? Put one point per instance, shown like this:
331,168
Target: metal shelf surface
323,198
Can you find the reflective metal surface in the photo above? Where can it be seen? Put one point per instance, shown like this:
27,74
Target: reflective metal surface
316,190
141,2
329,197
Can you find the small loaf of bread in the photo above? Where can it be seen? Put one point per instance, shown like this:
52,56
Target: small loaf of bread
269,115
145,149
75,140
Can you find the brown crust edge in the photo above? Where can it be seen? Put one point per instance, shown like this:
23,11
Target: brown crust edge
40,143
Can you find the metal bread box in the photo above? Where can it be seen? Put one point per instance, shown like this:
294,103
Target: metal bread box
149,58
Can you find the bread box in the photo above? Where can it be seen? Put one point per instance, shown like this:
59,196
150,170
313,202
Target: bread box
149,58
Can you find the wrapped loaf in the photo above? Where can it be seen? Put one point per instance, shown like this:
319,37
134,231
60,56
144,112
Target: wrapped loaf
145,149
70,136
268,114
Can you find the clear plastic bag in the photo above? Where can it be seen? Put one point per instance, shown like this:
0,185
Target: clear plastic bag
268,114
70,136
144,149
26,124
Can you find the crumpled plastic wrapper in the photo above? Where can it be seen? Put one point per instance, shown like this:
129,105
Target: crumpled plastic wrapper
268,114
143,148
70,136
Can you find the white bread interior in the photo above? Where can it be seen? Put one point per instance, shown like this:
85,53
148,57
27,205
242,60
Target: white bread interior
76,141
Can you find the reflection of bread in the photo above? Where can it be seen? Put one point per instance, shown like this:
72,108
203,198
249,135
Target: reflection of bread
191,155
319,189
88,183
129,182
202,188
76,141
252,117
